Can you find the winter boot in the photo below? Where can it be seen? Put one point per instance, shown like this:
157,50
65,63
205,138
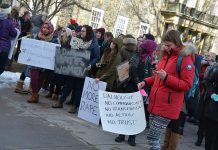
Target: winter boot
34,98
72,109
167,139
174,141
131,140
199,141
19,88
57,104
120,138
54,97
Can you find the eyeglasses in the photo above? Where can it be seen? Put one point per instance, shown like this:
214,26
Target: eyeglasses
83,31
63,30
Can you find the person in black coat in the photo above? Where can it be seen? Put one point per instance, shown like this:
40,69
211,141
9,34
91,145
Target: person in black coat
211,108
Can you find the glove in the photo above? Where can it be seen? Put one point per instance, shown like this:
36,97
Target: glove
214,97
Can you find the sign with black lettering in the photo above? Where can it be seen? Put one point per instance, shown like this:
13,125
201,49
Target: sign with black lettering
72,62
88,109
122,113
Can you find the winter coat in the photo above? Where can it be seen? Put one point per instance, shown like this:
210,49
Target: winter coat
95,51
108,72
166,96
25,26
211,109
7,31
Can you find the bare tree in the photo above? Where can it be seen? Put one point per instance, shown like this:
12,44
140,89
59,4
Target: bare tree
52,7
142,9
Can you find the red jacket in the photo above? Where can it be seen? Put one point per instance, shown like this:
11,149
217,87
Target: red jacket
166,96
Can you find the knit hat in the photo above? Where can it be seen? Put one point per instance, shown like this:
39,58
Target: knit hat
50,27
73,26
68,31
5,8
72,21
129,40
102,31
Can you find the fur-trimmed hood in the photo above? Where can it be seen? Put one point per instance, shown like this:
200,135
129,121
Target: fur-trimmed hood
127,41
188,49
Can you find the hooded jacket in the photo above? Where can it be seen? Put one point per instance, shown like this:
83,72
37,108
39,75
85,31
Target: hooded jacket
95,51
7,31
166,96
108,72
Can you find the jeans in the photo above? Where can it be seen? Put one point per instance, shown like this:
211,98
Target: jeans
3,61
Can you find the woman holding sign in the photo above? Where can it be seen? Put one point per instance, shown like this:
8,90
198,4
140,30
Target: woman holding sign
37,75
168,87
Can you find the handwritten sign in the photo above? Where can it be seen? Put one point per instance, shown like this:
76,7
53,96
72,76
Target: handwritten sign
72,62
122,71
37,53
88,109
13,44
122,113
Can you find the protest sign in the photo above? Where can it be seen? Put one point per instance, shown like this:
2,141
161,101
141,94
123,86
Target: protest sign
13,44
122,71
72,62
122,113
88,109
37,53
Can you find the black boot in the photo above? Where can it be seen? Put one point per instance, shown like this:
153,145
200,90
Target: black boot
131,140
120,138
199,141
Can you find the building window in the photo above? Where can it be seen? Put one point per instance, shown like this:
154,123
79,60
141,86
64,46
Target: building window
120,26
143,29
96,18
191,3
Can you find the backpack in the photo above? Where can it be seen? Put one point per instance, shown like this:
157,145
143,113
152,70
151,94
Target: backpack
195,85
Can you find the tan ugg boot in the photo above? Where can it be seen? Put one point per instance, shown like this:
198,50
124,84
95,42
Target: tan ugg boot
54,97
167,139
72,109
34,98
174,141
19,88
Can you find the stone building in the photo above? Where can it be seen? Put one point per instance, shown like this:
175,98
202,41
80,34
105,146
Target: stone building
196,19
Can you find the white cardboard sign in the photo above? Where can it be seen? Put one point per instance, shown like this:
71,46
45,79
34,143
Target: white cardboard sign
88,109
122,113
37,53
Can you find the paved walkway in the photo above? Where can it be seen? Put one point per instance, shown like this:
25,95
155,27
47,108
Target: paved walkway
26,126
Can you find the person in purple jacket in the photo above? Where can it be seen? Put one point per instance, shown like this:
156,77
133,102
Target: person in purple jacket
7,32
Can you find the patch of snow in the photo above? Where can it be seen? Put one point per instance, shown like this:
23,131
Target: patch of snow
9,80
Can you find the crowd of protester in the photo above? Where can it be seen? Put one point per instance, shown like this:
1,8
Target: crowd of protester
152,67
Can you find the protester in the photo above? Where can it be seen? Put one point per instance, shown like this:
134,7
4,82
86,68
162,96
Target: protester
7,31
108,37
25,30
57,80
210,83
107,65
88,42
37,22
167,92
128,53
37,75
207,62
